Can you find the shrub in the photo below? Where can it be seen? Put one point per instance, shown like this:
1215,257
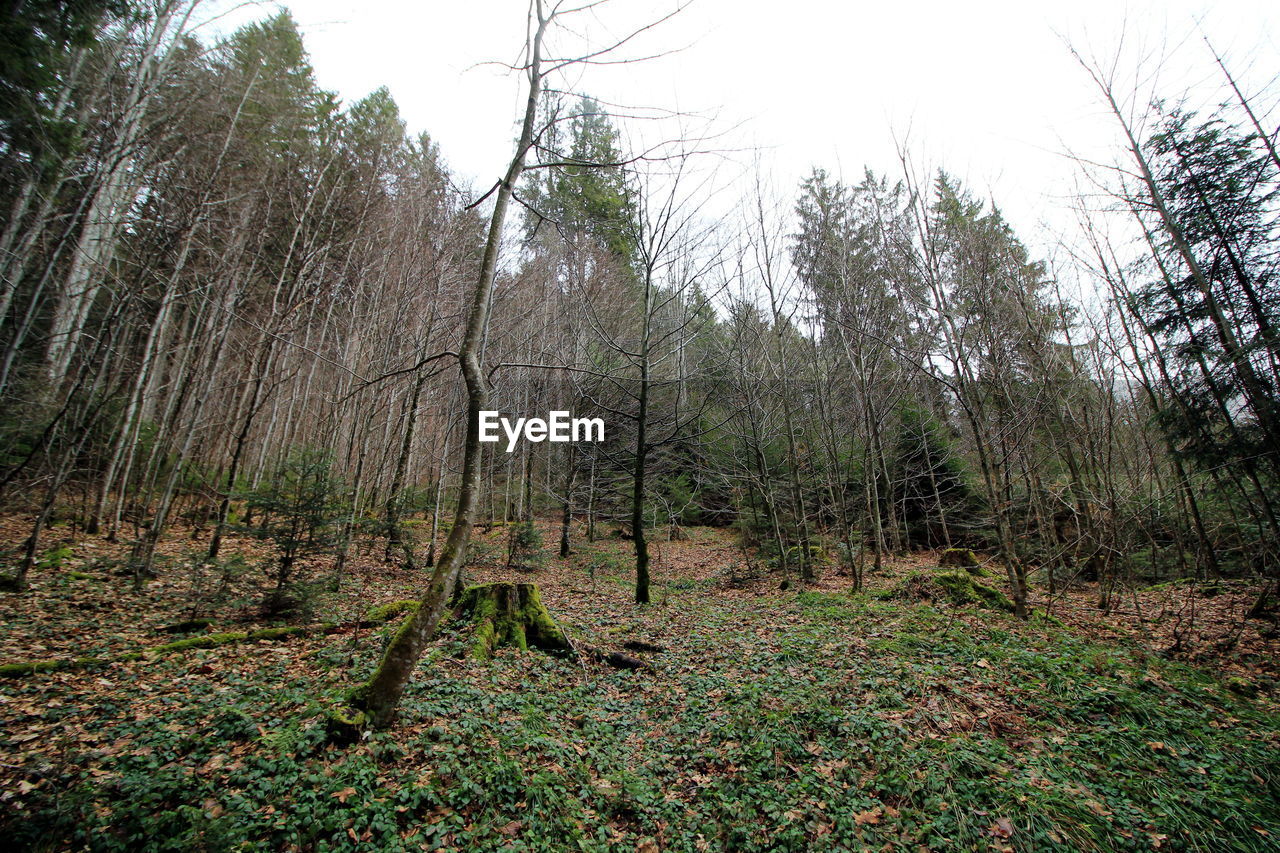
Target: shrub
300,510
524,547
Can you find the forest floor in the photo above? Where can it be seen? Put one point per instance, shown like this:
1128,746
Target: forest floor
799,719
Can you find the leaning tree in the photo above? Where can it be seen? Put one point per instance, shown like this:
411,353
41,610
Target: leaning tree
376,700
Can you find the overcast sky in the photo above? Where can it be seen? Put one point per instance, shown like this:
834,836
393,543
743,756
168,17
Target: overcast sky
986,89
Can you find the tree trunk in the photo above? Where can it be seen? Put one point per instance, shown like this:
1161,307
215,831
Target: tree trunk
376,700
566,518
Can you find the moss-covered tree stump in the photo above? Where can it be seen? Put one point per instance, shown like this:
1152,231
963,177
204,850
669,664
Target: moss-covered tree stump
963,558
959,558
510,614
957,588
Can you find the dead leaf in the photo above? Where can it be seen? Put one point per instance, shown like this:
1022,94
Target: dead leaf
1002,828
343,794
1097,808
871,816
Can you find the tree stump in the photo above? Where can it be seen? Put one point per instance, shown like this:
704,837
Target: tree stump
510,614
958,558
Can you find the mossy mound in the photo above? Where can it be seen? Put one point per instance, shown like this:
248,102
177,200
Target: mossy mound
510,614
957,588
962,558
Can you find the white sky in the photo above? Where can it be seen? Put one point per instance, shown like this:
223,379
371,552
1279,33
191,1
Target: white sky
986,89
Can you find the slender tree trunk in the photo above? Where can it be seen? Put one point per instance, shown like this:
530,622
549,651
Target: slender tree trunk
566,516
379,697
641,463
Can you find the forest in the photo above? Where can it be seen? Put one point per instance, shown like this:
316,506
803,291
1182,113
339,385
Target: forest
899,534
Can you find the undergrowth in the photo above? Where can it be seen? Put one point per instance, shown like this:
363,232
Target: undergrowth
806,723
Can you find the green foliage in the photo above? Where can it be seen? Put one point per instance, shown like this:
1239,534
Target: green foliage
584,195
36,43
931,485
782,737
1208,306
680,499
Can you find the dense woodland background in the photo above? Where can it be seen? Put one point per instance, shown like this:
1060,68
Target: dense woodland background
227,296
849,423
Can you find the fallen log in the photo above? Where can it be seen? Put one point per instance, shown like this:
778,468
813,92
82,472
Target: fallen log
617,660
376,616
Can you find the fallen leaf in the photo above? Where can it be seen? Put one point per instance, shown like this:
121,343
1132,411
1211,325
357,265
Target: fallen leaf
1097,808
871,816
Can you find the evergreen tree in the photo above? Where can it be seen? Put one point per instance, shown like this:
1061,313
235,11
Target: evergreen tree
581,188
1213,303
37,41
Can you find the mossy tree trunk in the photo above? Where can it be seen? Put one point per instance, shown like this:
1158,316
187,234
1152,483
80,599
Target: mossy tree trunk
377,699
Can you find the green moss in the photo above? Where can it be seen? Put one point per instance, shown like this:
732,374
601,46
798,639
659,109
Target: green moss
277,633
17,670
79,576
958,588
54,557
546,631
1042,618
485,640
528,625
405,625
345,725
386,612
208,641
962,558
958,558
